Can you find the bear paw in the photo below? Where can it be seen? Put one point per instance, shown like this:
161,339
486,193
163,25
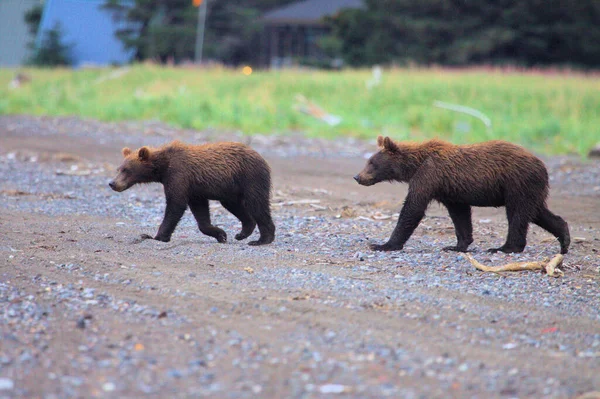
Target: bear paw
455,248
221,237
507,249
159,238
261,241
385,247
241,236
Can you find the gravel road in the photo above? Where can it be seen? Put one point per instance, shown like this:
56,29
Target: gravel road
89,310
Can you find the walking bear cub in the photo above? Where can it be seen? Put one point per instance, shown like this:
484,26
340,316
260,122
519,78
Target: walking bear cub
493,173
231,173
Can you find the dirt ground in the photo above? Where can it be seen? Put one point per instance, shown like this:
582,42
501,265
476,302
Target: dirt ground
87,310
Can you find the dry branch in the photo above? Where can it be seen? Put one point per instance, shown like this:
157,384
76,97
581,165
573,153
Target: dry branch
550,267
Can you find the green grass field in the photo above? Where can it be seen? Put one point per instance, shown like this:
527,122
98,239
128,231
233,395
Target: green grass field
550,113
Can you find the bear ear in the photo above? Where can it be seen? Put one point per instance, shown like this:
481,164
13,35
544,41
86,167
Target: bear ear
380,141
144,153
389,145
126,151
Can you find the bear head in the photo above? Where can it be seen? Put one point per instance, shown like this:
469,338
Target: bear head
137,167
383,165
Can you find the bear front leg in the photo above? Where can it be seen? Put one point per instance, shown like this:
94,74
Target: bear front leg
555,225
199,207
411,215
461,217
173,213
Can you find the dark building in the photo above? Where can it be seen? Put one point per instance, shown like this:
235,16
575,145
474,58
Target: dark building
291,32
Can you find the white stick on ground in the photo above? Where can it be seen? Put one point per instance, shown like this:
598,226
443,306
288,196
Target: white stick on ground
551,267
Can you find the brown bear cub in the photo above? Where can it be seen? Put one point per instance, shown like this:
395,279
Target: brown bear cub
231,173
493,173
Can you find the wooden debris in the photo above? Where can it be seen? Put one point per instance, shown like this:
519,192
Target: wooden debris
298,202
14,193
381,216
307,107
74,172
589,395
113,75
19,80
347,212
550,267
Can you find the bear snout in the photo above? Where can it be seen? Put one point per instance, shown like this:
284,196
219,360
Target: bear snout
117,187
364,180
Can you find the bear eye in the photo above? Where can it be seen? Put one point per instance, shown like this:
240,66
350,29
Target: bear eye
125,170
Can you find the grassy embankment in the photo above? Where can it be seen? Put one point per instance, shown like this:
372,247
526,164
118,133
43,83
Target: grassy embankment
550,113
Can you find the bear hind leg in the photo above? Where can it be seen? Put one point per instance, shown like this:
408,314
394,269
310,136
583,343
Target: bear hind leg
199,208
266,227
238,210
461,217
518,222
556,226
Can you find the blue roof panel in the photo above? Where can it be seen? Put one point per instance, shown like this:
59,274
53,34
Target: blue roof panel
89,28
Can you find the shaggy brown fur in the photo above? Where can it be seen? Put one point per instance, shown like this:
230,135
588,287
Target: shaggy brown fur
493,173
231,173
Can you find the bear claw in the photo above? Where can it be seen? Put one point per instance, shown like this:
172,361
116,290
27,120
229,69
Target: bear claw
221,237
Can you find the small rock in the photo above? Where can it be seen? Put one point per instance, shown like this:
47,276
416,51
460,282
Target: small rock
197,363
108,387
6,384
174,373
333,388
81,323
256,389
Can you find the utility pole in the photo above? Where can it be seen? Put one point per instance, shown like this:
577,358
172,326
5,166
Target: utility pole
201,4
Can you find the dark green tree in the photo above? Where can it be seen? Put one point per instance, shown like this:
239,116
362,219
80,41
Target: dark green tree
52,50
33,18
156,29
166,29
462,32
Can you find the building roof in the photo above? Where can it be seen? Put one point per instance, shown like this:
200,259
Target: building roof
308,12
89,28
